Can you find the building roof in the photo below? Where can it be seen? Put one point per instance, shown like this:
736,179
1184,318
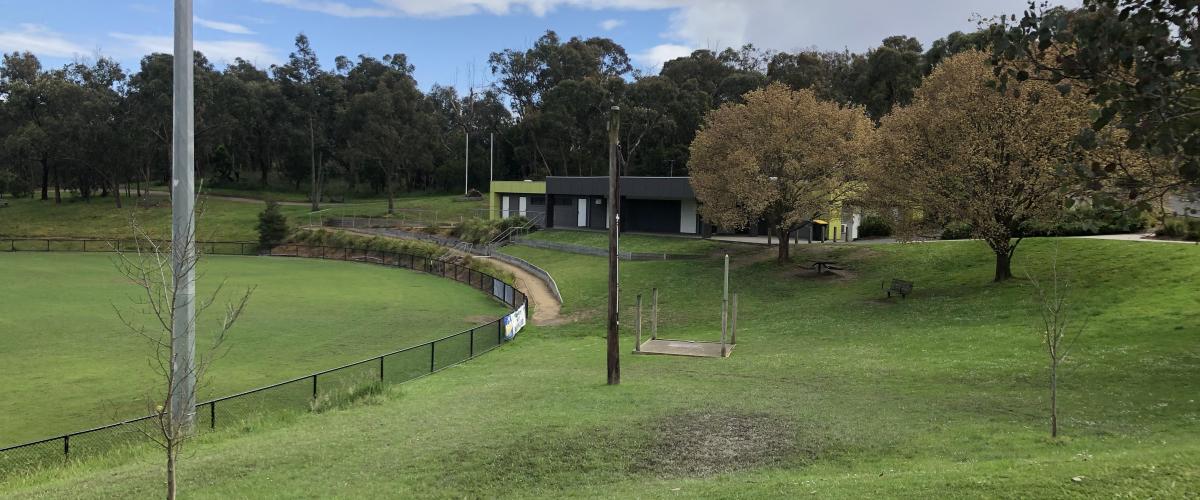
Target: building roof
672,188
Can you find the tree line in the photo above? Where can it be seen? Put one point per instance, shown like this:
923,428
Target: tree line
364,126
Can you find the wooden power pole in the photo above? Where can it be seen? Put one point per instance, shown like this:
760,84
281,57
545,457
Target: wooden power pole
614,234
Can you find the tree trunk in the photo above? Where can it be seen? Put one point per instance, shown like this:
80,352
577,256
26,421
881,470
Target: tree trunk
1003,266
1054,398
57,187
117,193
45,178
1004,249
170,471
784,247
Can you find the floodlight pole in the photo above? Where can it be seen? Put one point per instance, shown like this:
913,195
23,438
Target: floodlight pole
466,163
183,220
491,160
614,231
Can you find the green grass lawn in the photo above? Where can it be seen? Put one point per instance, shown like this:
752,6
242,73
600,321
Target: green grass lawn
70,364
99,218
831,392
631,242
220,219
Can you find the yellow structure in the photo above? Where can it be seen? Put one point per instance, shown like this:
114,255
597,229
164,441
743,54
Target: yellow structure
501,189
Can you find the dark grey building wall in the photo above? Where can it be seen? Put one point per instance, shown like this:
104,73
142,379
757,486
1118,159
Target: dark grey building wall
674,188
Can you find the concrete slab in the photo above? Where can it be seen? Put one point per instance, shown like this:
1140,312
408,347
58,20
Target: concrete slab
684,348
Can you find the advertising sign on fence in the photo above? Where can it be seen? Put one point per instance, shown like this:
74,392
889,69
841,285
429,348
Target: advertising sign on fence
514,322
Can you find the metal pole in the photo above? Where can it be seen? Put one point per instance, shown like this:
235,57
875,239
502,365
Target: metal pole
491,161
466,163
183,220
614,223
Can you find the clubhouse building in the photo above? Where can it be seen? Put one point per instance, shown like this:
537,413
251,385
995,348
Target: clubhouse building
664,205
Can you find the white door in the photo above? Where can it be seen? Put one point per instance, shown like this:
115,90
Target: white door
521,204
582,214
503,207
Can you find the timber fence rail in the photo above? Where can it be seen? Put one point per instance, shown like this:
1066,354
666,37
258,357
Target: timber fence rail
311,392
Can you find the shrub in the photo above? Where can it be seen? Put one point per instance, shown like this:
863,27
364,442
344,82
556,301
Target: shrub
272,227
1187,229
874,226
480,231
340,239
1085,221
957,231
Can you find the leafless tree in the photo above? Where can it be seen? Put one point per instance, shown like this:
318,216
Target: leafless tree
149,267
1056,327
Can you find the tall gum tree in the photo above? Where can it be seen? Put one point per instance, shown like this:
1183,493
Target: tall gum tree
783,156
963,152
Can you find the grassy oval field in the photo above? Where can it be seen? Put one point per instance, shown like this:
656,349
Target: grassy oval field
68,363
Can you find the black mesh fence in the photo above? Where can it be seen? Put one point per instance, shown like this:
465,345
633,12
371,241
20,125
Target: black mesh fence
328,388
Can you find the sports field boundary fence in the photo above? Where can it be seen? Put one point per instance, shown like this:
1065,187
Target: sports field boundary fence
304,393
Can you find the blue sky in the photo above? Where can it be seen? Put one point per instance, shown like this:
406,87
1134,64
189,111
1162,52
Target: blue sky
449,40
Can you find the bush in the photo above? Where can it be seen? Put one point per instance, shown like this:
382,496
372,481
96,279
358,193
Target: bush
874,226
1188,229
481,231
272,227
340,239
1086,221
957,231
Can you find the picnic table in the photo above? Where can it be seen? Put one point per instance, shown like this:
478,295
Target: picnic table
823,265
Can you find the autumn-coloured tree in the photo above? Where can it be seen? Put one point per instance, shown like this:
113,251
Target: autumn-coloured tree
783,155
964,152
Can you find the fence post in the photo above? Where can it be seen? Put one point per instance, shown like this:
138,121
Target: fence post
66,446
499,331
472,349
314,377
432,351
637,343
212,415
733,323
654,313
381,368
84,246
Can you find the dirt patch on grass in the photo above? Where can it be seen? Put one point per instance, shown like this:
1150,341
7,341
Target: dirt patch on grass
707,443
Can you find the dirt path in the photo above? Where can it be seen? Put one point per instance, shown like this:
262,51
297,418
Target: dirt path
1133,237
545,307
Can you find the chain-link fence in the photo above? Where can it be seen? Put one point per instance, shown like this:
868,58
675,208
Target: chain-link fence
313,392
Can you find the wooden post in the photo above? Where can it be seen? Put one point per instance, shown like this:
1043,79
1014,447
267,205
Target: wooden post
637,346
733,323
654,314
614,223
725,307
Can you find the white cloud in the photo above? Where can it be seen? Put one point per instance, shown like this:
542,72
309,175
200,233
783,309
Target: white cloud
232,28
611,24
776,24
40,40
654,58
217,51
338,9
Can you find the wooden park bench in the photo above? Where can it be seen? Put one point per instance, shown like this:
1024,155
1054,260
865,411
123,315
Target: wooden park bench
899,286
